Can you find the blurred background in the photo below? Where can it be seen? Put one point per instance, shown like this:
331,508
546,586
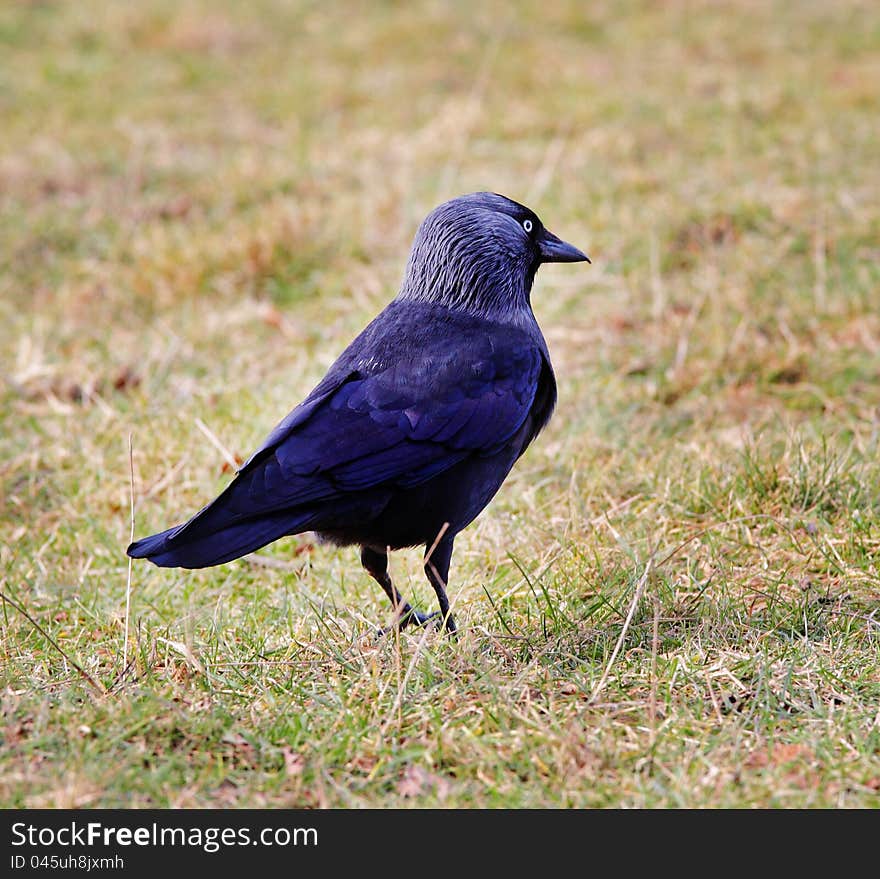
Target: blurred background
177,171
202,202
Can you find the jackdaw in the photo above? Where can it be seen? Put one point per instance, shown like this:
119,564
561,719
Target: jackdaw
416,425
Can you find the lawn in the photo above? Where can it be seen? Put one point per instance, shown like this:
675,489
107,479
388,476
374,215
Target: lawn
672,602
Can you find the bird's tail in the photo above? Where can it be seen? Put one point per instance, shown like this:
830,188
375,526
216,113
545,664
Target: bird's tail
175,549
216,535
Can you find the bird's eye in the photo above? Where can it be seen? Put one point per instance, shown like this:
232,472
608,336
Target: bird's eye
527,225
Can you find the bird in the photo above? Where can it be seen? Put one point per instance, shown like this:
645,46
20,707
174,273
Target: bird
416,425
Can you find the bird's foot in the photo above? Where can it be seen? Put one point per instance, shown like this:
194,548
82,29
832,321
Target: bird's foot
417,618
422,619
410,618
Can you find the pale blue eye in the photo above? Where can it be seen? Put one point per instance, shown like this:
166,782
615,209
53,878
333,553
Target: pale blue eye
527,225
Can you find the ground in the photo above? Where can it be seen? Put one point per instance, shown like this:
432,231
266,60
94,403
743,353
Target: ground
672,601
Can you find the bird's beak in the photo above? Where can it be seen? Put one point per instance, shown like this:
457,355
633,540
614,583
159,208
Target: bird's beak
554,249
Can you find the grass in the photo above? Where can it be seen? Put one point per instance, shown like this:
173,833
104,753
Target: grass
673,600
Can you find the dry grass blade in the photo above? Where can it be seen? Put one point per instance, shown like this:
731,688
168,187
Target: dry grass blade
127,619
217,444
93,682
637,596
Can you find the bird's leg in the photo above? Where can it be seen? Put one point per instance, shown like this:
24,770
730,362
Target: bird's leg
375,563
437,558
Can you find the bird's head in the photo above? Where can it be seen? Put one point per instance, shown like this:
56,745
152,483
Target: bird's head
481,251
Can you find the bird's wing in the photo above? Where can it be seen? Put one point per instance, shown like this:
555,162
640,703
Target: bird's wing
393,424
385,419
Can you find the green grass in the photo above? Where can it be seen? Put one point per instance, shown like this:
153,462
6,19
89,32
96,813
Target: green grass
674,599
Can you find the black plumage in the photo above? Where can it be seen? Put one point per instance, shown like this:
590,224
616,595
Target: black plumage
414,428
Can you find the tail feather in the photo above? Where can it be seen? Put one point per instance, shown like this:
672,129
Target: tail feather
175,548
150,546
233,525
220,532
